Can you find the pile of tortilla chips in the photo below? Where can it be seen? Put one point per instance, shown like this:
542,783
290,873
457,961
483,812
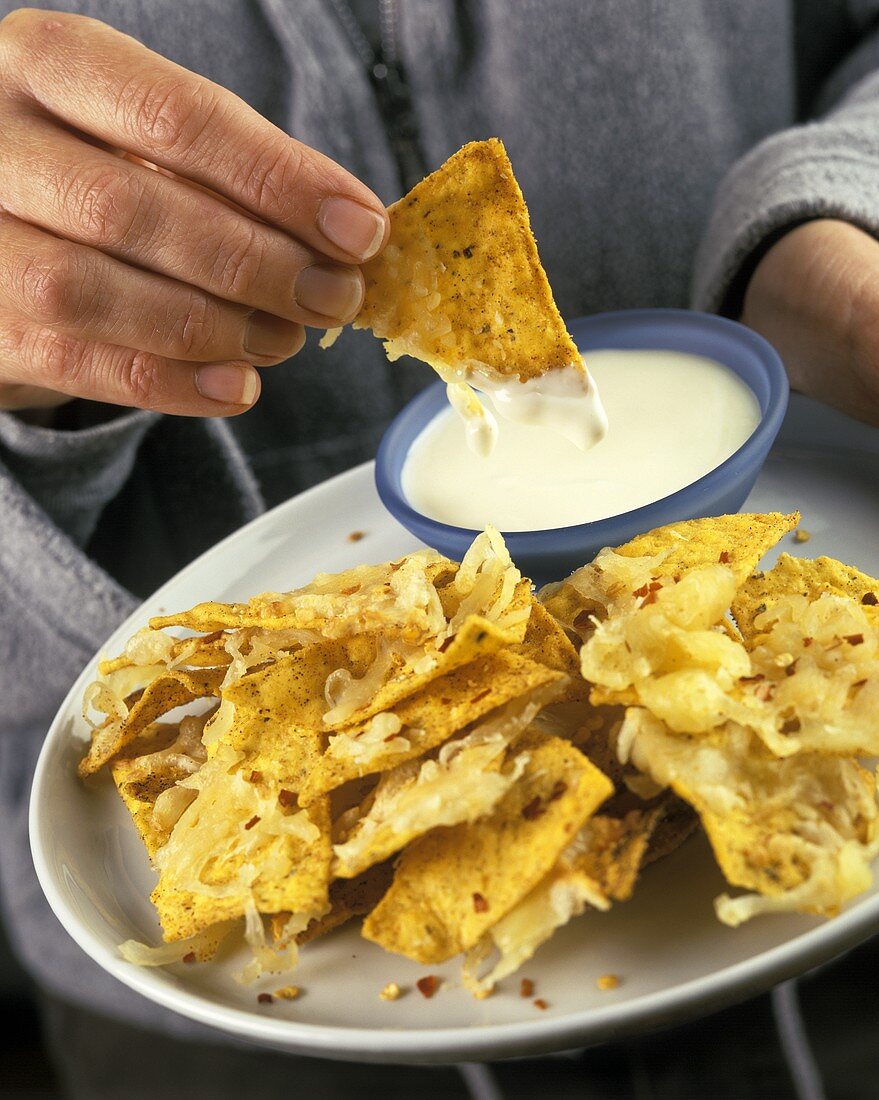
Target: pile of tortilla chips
418,743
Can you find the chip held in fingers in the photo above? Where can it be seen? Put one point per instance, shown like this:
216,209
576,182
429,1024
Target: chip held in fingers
460,286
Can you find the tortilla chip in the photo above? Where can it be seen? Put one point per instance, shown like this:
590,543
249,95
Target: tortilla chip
739,541
167,692
806,577
462,782
139,787
425,719
451,885
394,598
349,898
298,882
477,637
799,831
546,642
613,848
460,281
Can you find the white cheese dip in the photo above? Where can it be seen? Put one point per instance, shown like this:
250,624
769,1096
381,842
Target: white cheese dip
672,418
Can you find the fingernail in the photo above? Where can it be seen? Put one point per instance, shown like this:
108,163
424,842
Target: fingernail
335,292
351,226
270,337
228,383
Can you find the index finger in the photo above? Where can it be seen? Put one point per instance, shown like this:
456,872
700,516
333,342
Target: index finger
111,86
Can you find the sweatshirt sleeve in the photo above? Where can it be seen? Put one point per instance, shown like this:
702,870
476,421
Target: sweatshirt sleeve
72,475
826,168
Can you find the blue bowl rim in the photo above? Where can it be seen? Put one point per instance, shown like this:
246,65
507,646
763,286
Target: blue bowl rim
546,539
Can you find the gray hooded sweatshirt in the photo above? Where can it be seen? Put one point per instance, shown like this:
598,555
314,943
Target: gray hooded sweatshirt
660,145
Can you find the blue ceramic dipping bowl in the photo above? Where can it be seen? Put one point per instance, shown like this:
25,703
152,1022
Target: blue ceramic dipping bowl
552,554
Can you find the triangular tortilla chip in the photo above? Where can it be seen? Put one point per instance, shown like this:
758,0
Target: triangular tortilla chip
805,577
453,884
462,782
167,692
425,720
738,541
800,832
460,284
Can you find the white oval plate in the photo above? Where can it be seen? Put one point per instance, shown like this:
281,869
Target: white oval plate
673,958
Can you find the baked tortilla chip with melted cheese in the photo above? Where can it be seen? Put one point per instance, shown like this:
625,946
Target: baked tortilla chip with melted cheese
423,721
452,885
460,284
810,577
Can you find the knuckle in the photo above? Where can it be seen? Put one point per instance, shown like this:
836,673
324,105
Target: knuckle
143,379
48,288
237,264
165,114
271,183
60,359
102,203
196,333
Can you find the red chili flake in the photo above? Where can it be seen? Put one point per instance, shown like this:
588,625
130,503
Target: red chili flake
655,586
256,777
541,1004
265,998
677,578
428,986
854,639
287,798
724,557
870,599
642,591
444,645
533,810
807,642
356,536
526,988
481,695
253,821
480,905
765,692
350,591
649,599
557,791
791,669
792,725
189,957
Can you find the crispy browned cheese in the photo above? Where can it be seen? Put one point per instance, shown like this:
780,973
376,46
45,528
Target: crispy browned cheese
460,281
805,577
451,885
166,693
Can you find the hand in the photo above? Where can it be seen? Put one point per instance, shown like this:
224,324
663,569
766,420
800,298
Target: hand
815,296
156,278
